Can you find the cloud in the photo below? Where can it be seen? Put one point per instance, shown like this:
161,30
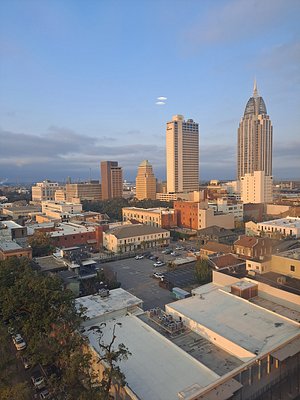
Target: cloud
64,152
162,98
237,19
160,103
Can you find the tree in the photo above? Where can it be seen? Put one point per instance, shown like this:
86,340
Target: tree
45,314
41,244
110,355
203,271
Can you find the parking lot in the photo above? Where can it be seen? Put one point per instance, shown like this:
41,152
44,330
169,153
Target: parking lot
136,276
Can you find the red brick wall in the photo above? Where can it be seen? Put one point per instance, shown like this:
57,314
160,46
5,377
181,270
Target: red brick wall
77,239
187,214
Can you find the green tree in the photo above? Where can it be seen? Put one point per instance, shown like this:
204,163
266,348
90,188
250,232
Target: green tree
203,271
41,244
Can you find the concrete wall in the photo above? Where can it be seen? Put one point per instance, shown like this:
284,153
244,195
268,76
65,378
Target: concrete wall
276,209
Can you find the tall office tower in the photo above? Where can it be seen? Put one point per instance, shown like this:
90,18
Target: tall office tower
182,148
255,138
145,182
111,179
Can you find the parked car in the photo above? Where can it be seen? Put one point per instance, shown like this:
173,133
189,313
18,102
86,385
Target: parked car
26,362
153,258
158,264
174,254
158,275
38,380
19,342
179,248
44,394
140,257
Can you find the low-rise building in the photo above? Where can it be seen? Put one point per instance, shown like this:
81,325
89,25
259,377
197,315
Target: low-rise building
160,217
216,234
227,206
233,339
60,210
196,215
90,191
68,234
10,248
132,237
16,212
287,263
289,226
214,248
253,247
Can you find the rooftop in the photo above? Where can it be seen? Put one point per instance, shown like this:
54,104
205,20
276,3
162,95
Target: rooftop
9,245
132,230
226,260
164,374
216,247
288,222
96,306
246,325
156,210
200,348
66,228
50,263
293,254
11,225
215,230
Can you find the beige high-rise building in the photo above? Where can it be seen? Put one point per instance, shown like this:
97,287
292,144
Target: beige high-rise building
182,152
44,191
111,180
255,138
145,182
256,187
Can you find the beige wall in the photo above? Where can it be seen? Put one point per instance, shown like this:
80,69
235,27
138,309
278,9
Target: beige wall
276,209
111,243
256,188
208,218
284,265
182,155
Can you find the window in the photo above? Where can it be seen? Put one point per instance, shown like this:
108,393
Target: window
293,268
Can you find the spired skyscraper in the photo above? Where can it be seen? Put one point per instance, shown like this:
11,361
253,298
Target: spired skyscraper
255,143
255,138
182,153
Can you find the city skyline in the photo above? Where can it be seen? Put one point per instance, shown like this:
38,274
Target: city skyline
75,90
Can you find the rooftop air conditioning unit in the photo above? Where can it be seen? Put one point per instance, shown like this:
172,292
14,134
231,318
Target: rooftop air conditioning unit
281,280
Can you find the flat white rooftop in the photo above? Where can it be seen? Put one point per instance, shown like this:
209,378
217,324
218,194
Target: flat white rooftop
69,229
251,327
96,306
288,222
157,368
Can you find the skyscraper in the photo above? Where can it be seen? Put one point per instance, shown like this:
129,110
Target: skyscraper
145,182
111,180
182,152
255,138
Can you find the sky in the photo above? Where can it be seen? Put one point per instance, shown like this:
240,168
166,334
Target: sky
79,82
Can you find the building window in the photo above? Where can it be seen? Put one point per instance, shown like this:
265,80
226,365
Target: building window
293,268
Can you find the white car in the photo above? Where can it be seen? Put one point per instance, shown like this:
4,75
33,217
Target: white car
38,380
19,342
158,264
179,248
158,275
139,257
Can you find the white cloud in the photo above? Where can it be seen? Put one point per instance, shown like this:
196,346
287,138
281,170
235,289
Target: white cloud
160,103
162,98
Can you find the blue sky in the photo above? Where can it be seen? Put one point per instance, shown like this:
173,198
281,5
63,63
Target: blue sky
79,82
